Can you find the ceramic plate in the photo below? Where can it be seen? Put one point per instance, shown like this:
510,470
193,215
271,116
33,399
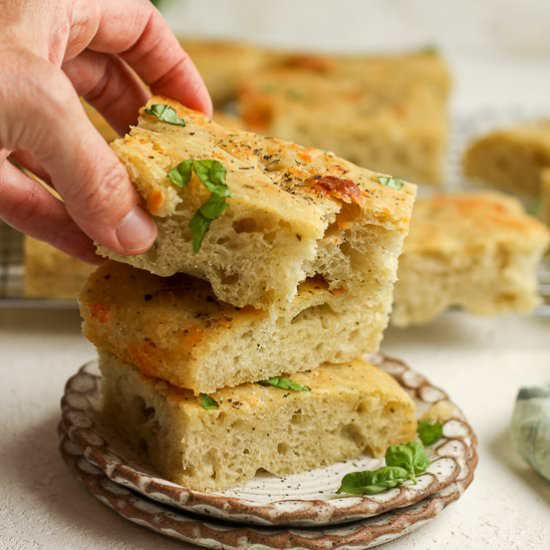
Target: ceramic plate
211,533
305,499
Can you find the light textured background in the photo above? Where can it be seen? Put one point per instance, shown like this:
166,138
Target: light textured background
500,52
499,49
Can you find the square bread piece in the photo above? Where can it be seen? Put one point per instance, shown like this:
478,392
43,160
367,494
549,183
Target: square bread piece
293,212
386,114
50,273
479,251
173,328
351,409
511,159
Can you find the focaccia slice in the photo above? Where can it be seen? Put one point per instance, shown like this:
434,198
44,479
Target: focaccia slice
50,273
511,159
349,410
173,328
478,251
386,113
293,212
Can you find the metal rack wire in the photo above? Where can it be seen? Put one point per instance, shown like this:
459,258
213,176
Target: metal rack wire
11,263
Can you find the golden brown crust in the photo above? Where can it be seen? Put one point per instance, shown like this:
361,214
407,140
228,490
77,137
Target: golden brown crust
450,224
378,117
511,158
277,168
479,251
173,328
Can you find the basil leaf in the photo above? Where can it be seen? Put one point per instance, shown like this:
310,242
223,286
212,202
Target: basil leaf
212,175
372,482
284,384
409,456
165,113
534,208
390,181
208,402
181,174
429,49
199,226
429,432
204,216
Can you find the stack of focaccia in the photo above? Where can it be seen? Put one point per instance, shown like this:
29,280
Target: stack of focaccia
237,342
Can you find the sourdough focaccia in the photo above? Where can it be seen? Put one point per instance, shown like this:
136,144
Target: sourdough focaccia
479,251
293,212
50,273
386,114
350,409
376,72
174,329
511,159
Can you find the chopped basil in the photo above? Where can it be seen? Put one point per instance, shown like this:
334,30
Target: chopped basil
410,456
208,402
372,482
390,181
284,384
534,208
181,174
429,432
165,113
269,88
212,175
429,49
403,462
295,94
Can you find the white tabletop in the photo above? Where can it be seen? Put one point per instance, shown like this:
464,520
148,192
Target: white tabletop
499,54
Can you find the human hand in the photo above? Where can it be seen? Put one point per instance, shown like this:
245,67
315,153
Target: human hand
50,53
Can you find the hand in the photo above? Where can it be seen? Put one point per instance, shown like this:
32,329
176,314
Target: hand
50,53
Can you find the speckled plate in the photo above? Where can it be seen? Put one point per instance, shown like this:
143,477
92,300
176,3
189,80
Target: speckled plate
307,499
211,533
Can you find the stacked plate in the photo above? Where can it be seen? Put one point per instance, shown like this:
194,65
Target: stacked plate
298,511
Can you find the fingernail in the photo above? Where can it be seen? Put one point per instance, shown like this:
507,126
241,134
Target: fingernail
136,232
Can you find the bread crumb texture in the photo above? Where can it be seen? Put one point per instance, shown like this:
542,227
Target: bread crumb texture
478,251
353,408
294,212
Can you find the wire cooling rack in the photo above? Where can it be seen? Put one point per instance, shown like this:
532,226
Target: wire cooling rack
11,263
467,126
12,275
464,128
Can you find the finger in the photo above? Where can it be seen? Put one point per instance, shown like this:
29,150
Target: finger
29,208
108,84
93,183
137,32
27,161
